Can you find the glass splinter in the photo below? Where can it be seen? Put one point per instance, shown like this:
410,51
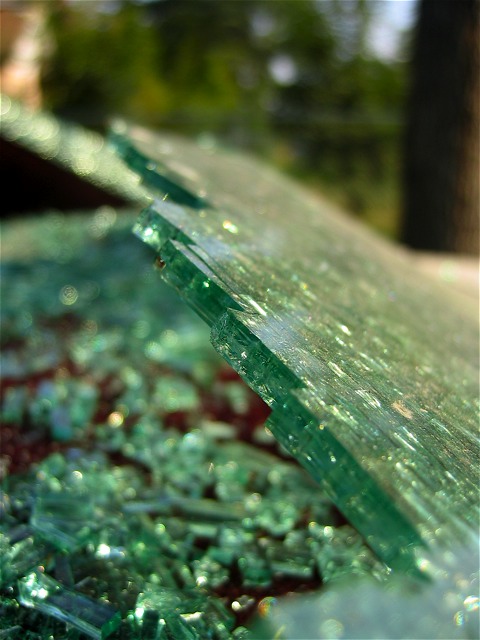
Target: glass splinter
97,620
370,369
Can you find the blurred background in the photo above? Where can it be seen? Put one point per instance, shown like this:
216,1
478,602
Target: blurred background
372,102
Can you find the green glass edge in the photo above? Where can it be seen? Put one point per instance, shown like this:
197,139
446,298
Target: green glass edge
231,337
150,176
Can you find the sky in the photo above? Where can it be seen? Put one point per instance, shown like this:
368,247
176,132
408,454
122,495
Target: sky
392,19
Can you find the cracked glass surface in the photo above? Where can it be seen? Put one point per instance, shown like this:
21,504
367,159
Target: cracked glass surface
140,493
370,368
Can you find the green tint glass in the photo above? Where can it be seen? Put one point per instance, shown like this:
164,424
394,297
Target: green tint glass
138,473
96,620
370,369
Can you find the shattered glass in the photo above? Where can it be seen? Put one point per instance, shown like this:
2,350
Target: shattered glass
141,496
370,369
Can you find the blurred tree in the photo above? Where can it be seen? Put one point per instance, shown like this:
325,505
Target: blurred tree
102,61
442,170
342,111
214,72
290,79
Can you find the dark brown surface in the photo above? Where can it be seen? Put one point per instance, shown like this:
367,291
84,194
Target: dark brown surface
442,141
31,184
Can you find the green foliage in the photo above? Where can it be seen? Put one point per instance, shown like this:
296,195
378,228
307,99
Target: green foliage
289,79
101,63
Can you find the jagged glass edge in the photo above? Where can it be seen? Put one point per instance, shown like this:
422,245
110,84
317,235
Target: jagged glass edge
372,514
143,166
232,337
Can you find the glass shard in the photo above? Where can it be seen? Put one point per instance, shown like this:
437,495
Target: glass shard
97,620
370,369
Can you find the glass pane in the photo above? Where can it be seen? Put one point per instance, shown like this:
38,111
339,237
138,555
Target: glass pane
369,368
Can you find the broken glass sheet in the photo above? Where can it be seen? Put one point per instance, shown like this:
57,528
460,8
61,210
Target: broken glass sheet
369,368
165,479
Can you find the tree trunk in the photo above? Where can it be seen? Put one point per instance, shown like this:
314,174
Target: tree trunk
442,170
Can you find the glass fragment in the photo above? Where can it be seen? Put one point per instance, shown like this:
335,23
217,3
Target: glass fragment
96,620
370,369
